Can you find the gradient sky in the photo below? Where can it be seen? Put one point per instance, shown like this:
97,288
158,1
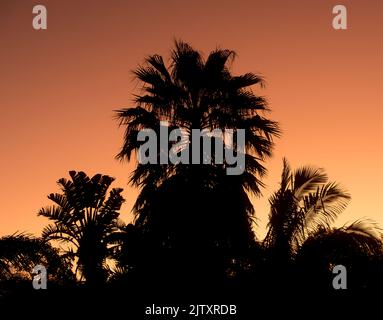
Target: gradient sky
59,87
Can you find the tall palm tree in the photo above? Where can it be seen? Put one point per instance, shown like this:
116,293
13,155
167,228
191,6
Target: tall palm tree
179,201
86,220
304,203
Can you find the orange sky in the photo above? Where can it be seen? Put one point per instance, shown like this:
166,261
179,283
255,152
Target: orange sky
59,87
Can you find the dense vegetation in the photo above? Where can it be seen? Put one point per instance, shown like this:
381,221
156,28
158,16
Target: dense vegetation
194,225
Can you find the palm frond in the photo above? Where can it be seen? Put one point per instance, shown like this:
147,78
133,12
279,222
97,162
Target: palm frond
306,179
325,205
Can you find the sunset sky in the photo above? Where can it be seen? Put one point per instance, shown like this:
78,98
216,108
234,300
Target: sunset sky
59,87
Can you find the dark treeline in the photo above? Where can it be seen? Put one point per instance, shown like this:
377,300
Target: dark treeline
194,224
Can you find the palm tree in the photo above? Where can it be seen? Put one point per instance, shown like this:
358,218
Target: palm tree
20,253
177,202
357,245
86,221
305,203
301,243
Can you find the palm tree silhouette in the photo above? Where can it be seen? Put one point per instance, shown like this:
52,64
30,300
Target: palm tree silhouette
20,253
304,203
301,244
86,220
357,246
197,206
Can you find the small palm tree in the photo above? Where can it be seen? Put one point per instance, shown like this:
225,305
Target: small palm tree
20,253
358,246
86,221
304,203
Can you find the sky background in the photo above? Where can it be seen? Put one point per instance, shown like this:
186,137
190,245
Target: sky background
59,87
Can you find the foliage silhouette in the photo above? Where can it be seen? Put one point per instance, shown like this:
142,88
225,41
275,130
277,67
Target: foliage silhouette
301,244
193,226
20,253
86,220
304,202
357,246
197,209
